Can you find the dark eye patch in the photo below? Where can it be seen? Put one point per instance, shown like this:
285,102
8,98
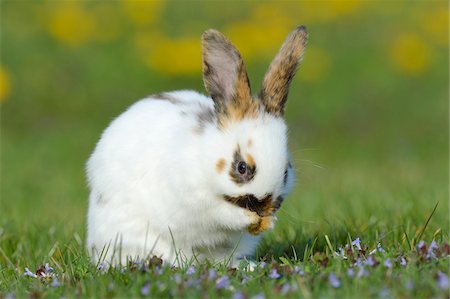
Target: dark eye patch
242,170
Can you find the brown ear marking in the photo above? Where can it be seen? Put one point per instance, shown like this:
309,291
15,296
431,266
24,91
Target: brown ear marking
281,71
225,78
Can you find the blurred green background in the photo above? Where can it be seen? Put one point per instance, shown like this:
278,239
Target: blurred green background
368,110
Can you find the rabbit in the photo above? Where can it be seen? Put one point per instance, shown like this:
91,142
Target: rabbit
184,176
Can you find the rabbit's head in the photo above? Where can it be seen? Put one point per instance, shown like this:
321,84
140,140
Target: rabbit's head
251,165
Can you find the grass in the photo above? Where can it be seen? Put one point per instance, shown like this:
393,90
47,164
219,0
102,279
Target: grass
395,269
368,135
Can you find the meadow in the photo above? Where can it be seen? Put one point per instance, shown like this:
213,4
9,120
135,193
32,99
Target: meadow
368,125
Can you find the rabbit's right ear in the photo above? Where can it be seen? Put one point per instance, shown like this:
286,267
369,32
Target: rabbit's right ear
225,76
276,82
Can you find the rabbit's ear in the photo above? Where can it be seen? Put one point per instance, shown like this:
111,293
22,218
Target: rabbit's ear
224,75
276,82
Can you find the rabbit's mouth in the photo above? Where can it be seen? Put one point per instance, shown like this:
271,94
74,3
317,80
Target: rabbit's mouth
262,206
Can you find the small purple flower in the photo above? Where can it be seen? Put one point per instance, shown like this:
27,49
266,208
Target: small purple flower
177,278
285,288
384,293
359,262
357,243
370,261
298,270
388,263
193,282
245,279
274,274
443,281
403,261
55,282
190,270
431,250
362,272
380,249
421,244
48,269
409,285
222,282
212,274
350,272
238,295
145,290
334,281
262,264
103,267
259,296
340,254
29,273
434,245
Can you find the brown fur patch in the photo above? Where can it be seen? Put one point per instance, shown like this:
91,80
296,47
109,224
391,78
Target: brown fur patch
220,165
262,207
263,224
242,108
276,82
250,161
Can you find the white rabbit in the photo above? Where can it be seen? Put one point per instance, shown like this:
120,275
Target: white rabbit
180,175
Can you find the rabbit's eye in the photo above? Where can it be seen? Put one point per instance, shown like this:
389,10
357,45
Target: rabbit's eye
242,170
242,167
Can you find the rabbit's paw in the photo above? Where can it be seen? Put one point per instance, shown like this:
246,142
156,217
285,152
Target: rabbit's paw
260,224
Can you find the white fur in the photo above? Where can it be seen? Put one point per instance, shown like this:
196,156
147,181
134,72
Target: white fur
155,189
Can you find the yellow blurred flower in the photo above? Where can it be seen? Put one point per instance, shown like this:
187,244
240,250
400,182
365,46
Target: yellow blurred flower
175,56
71,23
410,54
342,8
316,64
436,25
262,33
5,85
143,12
313,12
108,21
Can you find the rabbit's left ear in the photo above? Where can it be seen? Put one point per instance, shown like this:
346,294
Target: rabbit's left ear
225,76
276,82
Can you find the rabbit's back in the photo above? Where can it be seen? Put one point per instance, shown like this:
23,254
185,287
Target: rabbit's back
146,140
141,166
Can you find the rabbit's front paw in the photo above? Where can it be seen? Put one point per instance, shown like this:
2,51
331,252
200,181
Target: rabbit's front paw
259,224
